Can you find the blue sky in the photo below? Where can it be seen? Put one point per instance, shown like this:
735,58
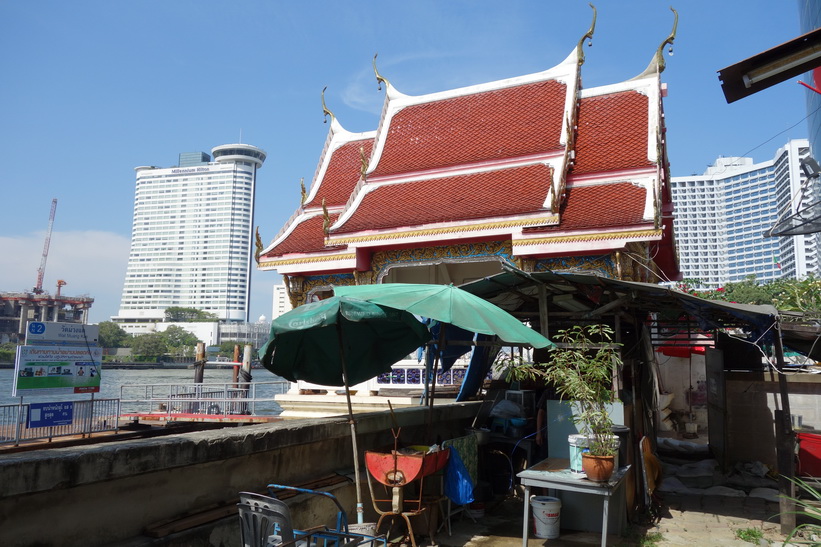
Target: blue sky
91,89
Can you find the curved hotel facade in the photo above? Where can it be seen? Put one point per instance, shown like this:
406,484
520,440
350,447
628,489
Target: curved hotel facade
721,218
192,240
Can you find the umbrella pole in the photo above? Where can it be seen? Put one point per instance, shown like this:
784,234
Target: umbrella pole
435,372
360,510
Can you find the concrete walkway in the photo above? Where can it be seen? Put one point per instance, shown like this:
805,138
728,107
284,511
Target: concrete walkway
685,520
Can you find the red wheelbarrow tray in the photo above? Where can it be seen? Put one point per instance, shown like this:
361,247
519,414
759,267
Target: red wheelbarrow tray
396,469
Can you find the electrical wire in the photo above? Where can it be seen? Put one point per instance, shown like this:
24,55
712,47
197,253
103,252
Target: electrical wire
796,124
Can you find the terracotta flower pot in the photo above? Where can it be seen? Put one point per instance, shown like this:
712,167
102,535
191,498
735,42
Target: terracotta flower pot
598,468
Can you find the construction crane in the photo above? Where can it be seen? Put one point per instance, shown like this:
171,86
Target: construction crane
38,288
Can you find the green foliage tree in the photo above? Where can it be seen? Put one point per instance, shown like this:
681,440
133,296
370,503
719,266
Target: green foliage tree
227,348
176,314
179,341
149,346
113,336
7,352
799,295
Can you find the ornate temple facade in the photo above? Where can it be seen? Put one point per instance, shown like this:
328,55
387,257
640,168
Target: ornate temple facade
533,171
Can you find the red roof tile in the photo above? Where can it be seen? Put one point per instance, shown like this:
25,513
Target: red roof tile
502,192
612,133
342,174
500,124
600,206
307,237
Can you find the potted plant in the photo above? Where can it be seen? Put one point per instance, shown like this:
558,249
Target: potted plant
581,369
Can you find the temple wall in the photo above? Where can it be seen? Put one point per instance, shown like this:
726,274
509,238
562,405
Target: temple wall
633,264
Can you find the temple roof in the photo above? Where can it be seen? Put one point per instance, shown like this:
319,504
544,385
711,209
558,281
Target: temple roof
341,174
466,197
613,133
617,205
525,159
496,125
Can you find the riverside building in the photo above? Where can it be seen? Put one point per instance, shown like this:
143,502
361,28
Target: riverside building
721,218
192,241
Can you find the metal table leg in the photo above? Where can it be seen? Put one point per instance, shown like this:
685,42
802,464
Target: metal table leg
526,516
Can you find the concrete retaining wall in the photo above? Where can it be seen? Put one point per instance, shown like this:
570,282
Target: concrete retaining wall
109,493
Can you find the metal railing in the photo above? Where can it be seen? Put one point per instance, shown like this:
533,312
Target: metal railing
92,416
403,375
202,398
170,400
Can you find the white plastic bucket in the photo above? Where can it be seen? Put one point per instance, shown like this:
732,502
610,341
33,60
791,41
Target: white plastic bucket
578,445
546,515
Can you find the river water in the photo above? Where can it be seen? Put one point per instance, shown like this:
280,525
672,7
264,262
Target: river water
112,379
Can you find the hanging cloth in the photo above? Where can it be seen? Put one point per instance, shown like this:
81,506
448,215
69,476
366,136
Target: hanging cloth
458,483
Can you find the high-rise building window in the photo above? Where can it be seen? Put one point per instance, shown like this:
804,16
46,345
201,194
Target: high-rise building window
728,243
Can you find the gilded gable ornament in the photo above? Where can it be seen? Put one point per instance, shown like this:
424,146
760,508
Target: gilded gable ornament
302,190
326,219
258,245
363,160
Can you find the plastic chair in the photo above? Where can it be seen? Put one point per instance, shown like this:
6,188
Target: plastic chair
341,516
266,522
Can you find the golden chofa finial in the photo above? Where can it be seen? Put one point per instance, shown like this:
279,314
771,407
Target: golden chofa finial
668,41
588,36
325,111
379,79
302,190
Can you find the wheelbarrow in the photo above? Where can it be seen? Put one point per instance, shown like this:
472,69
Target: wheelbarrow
396,470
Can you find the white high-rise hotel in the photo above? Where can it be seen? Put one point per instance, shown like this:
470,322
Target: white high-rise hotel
192,240
721,217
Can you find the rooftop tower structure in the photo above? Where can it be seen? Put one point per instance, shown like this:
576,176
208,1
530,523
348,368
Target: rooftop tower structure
192,241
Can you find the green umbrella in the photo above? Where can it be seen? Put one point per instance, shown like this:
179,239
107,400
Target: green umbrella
449,304
305,342
341,341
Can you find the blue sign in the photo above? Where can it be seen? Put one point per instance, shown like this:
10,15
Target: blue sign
50,414
37,327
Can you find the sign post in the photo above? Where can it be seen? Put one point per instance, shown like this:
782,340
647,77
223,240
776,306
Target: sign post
57,358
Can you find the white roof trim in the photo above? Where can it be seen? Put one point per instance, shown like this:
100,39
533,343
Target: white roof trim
337,137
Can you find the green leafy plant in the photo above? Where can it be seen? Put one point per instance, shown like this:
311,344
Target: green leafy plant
809,508
640,536
581,368
750,535
651,539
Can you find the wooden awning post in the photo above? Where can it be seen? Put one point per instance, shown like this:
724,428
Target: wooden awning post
785,442
199,364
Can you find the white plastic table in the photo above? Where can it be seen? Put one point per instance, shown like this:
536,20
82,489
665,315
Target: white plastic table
554,473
